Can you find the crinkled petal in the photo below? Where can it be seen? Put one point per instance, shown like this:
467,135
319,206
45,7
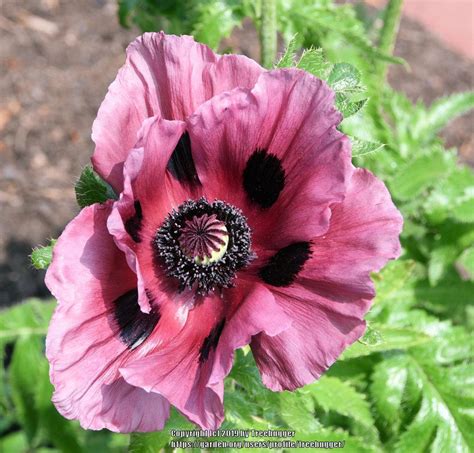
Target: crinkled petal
255,311
333,292
177,368
189,370
363,236
132,409
149,188
300,354
163,75
291,115
88,275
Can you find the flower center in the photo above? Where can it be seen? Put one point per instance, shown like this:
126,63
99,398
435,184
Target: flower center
204,239
203,245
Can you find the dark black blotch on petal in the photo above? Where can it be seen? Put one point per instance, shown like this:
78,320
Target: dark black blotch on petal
210,342
181,163
134,325
134,223
283,267
263,178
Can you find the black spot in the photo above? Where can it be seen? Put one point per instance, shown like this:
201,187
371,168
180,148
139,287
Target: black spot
134,223
134,325
284,266
181,163
210,342
263,178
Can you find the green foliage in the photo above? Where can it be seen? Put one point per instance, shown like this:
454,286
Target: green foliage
90,189
207,20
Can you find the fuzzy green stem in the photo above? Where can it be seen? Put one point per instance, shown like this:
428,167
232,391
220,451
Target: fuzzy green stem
389,31
268,33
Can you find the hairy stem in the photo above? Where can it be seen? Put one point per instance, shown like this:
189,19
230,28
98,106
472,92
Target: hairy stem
389,31
268,33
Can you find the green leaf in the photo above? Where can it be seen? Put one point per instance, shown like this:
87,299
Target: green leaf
14,443
287,60
364,148
444,420
392,278
313,61
41,256
90,189
23,375
332,394
466,263
245,372
444,110
463,210
441,259
297,410
389,380
452,197
450,296
347,107
345,78
214,21
30,318
379,338
419,174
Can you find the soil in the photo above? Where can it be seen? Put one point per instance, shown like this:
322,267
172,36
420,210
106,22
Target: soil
57,58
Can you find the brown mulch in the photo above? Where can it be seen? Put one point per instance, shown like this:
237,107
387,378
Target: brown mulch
57,58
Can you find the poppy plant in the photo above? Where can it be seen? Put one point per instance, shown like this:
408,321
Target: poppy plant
240,221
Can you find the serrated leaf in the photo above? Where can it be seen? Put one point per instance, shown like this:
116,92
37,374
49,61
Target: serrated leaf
41,256
444,420
364,148
389,381
381,338
444,110
245,372
348,107
417,175
451,195
345,78
332,394
297,410
90,189
287,60
313,61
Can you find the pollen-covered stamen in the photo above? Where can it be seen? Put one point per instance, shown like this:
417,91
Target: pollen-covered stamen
204,238
203,245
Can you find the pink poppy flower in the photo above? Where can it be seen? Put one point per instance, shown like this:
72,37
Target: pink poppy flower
241,220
